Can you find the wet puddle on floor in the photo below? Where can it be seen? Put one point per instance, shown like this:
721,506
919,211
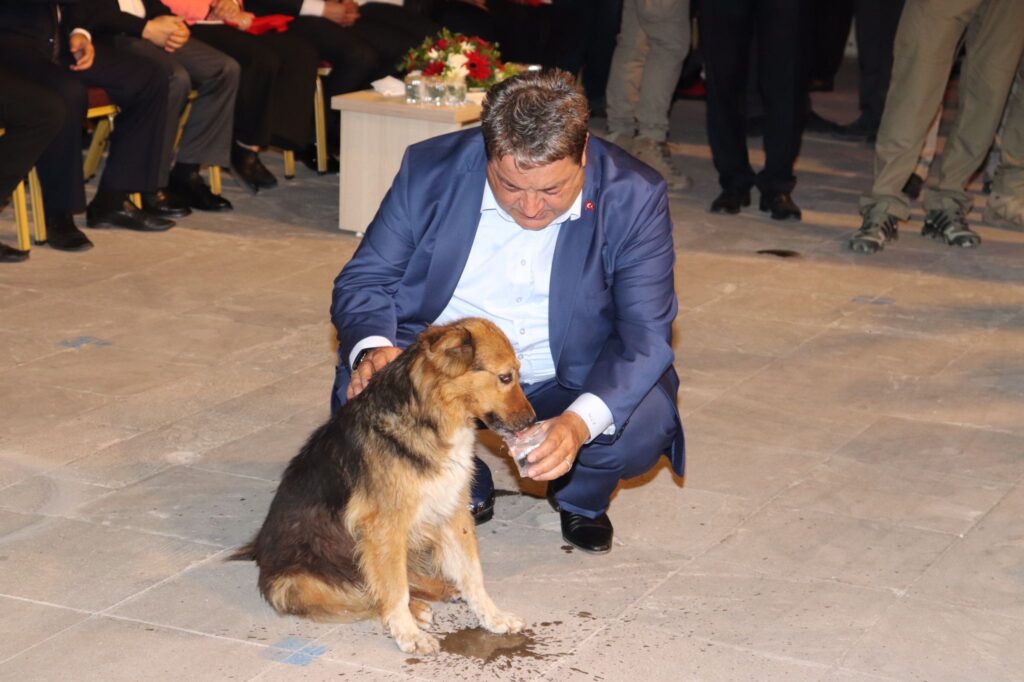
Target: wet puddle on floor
484,648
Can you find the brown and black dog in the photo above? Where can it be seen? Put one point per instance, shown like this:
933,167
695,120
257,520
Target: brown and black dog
371,517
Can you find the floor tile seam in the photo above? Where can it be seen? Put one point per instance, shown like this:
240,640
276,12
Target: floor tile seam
271,669
50,637
740,571
575,651
109,610
231,474
132,529
953,602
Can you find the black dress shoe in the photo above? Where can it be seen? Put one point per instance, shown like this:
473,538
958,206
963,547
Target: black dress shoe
859,130
250,171
780,205
731,201
127,215
590,535
308,157
9,254
481,493
194,191
162,204
62,233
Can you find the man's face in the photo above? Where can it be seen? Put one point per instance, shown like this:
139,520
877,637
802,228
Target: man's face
535,196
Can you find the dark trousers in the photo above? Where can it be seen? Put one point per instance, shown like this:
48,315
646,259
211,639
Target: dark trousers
368,50
138,89
830,22
275,93
876,25
728,28
31,117
586,31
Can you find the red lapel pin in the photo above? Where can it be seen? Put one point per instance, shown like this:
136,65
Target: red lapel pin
589,205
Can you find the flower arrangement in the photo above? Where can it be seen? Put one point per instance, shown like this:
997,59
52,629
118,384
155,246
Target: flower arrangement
457,57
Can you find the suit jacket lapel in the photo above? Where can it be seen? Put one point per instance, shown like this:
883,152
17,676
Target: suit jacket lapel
458,220
571,251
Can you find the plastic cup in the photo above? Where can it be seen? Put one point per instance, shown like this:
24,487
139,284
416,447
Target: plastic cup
521,445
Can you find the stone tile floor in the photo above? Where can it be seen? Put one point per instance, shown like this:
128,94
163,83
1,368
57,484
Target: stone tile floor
852,510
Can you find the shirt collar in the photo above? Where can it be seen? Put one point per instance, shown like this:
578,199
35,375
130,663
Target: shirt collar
489,203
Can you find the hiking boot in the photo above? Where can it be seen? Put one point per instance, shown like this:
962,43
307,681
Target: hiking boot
950,227
875,233
1006,211
656,155
624,140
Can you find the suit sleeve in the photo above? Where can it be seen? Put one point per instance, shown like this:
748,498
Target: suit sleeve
639,351
363,303
106,19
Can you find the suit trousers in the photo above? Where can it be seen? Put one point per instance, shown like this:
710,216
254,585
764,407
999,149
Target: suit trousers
600,465
777,27
31,117
139,91
652,44
926,44
875,28
215,76
275,93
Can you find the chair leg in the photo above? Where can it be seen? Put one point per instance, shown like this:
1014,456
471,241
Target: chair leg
289,164
21,217
320,119
98,146
136,199
35,191
215,179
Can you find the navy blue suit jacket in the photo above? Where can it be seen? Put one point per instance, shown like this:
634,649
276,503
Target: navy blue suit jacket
612,297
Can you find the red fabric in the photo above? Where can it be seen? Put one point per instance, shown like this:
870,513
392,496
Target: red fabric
271,22
98,97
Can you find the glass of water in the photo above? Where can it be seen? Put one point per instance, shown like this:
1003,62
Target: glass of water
433,90
414,87
455,93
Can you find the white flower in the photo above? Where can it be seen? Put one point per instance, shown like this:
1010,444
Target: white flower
433,55
456,60
456,74
467,47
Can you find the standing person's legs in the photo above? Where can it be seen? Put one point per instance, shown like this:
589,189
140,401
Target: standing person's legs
727,28
925,47
603,21
1006,205
781,25
667,26
995,42
876,25
624,78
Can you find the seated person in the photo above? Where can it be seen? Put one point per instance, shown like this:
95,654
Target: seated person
31,117
275,96
565,244
53,49
147,29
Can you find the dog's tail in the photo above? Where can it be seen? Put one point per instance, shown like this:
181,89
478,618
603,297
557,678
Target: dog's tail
245,553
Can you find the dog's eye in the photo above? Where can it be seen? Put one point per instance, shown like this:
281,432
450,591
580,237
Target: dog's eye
505,378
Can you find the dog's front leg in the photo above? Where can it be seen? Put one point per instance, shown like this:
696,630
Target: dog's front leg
460,562
384,560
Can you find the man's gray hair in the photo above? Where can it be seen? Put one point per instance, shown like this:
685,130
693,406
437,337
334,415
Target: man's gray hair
537,118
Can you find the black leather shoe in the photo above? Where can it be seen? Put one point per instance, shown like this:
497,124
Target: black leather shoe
249,170
731,201
9,254
62,233
195,192
164,205
128,216
780,205
859,130
481,494
590,535
308,157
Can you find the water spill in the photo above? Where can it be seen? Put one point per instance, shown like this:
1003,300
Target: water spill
489,648
781,253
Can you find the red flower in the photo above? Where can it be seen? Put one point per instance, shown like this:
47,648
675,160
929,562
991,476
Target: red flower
441,44
479,66
433,69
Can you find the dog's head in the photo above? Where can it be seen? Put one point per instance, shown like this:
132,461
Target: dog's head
479,373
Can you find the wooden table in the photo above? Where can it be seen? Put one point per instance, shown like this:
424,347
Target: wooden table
375,130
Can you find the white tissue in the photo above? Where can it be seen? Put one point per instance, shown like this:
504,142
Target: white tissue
389,86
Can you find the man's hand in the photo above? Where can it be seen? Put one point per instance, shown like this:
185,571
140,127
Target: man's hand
373,361
166,31
83,51
565,435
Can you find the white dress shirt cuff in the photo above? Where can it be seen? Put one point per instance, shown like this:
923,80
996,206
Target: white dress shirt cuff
313,8
83,32
368,342
594,413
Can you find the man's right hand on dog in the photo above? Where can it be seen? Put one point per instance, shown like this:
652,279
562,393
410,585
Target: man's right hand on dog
373,361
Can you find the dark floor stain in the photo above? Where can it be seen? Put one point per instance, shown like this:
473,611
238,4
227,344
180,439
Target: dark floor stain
507,493
567,549
489,648
781,253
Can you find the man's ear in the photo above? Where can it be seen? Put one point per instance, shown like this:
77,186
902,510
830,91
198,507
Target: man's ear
451,350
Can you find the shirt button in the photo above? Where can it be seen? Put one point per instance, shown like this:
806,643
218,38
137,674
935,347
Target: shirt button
519,300
522,330
522,262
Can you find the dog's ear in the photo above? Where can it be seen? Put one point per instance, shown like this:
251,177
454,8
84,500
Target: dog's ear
452,350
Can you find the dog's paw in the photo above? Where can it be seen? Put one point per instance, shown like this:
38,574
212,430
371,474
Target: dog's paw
502,623
418,642
421,611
